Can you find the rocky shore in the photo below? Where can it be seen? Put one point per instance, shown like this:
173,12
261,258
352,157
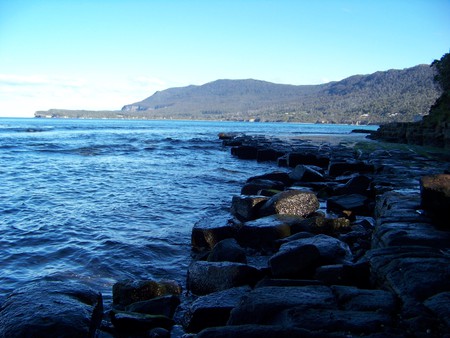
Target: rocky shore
343,240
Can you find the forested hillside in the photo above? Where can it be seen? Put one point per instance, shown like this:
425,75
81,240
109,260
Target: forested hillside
394,95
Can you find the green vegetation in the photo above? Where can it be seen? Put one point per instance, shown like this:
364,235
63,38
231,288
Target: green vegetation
394,95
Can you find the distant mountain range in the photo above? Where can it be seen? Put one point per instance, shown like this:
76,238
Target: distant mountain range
393,95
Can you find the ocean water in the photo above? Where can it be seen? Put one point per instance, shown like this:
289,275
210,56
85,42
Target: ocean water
100,201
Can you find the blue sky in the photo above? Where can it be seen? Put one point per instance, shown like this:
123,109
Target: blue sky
103,54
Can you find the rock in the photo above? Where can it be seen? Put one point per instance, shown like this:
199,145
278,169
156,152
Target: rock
357,274
213,309
254,186
262,331
268,155
296,158
263,232
51,309
351,322
435,197
291,202
351,205
227,250
207,277
164,305
245,208
294,261
209,231
245,152
306,174
409,234
263,305
278,176
341,168
440,305
132,291
359,184
301,257
355,299
138,323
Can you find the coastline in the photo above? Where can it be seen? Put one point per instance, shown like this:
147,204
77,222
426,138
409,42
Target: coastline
254,271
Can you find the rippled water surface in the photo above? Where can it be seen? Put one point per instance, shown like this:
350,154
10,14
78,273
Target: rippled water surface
106,200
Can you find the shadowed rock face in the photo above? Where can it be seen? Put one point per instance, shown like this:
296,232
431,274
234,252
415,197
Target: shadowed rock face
51,309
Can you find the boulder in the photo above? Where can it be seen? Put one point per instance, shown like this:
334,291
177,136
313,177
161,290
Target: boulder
291,202
268,155
213,309
209,231
51,309
254,186
263,305
435,197
359,184
131,291
227,250
351,205
333,320
245,208
356,299
263,232
138,323
296,158
262,331
305,173
409,234
279,176
440,305
207,277
245,152
342,168
301,257
164,305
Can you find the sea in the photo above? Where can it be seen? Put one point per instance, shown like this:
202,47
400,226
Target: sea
100,201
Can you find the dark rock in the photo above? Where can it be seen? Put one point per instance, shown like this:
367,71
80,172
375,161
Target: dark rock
51,309
409,234
435,197
356,185
440,305
286,282
227,250
213,309
262,331
278,176
305,173
291,202
138,323
322,225
132,291
351,205
357,274
254,186
268,155
355,299
246,208
263,232
343,168
297,261
209,231
263,305
245,152
354,322
413,273
159,332
295,159
207,277
164,305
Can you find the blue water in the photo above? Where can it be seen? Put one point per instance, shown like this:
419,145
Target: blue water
106,200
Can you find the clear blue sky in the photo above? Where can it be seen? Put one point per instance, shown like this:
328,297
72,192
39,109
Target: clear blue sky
103,54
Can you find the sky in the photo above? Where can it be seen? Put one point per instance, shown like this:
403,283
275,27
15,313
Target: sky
104,54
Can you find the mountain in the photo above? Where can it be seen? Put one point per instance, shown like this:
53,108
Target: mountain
393,95
388,96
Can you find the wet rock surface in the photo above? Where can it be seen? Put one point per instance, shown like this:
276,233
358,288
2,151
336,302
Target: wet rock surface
341,241
359,254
